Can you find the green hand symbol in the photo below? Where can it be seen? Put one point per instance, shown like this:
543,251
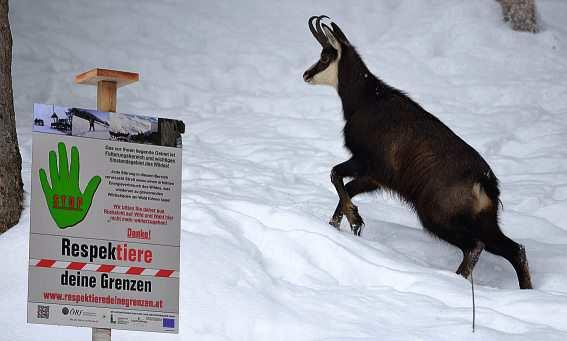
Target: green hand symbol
67,205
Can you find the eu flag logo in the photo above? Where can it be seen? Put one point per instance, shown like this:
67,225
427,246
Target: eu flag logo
168,323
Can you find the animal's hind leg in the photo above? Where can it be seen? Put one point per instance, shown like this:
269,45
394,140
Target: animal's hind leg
348,168
515,254
498,244
456,231
470,258
353,188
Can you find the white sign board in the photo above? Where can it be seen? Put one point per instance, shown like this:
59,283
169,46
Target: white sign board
105,220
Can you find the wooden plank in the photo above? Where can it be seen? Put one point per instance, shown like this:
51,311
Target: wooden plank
94,76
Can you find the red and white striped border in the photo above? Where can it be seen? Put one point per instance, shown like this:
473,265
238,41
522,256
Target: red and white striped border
127,270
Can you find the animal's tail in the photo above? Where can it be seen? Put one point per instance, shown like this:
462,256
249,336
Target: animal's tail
489,183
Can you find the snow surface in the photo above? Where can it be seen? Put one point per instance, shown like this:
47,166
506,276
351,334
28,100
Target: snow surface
132,124
259,261
81,128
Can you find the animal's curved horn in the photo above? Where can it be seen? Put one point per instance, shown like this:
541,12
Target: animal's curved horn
314,31
317,31
323,26
318,26
339,34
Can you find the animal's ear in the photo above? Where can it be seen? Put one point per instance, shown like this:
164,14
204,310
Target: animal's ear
331,37
339,34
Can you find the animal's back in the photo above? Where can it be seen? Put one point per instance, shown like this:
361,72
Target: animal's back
415,155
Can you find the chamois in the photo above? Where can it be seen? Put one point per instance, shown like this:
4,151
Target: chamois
398,146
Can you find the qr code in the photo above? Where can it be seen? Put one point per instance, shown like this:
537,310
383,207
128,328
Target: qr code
42,311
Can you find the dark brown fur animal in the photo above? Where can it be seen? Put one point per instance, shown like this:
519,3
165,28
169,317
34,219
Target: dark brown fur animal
398,146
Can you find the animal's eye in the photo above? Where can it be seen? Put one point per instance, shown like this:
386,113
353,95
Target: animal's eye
325,59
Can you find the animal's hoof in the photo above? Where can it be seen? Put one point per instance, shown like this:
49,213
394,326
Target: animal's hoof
335,223
357,229
336,219
526,286
463,271
526,283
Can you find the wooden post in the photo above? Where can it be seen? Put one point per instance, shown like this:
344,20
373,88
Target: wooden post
106,96
107,82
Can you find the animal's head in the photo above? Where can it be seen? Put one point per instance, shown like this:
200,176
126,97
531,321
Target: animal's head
333,41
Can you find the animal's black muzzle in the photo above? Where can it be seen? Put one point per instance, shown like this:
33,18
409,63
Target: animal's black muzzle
308,74
313,70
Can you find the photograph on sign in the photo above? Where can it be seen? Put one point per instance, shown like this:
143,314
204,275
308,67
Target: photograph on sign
89,123
134,128
52,119
105,222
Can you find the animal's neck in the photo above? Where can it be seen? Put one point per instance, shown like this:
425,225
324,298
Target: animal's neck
357,85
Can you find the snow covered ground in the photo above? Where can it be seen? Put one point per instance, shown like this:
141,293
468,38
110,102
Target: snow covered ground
259,261
133,124
81,127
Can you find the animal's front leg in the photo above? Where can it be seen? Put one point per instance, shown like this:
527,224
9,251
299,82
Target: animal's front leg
347,169
354,187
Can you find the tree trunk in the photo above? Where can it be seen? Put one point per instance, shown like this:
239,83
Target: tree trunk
11,186
521,13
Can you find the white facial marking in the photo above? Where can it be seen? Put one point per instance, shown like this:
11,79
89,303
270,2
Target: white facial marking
329,76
